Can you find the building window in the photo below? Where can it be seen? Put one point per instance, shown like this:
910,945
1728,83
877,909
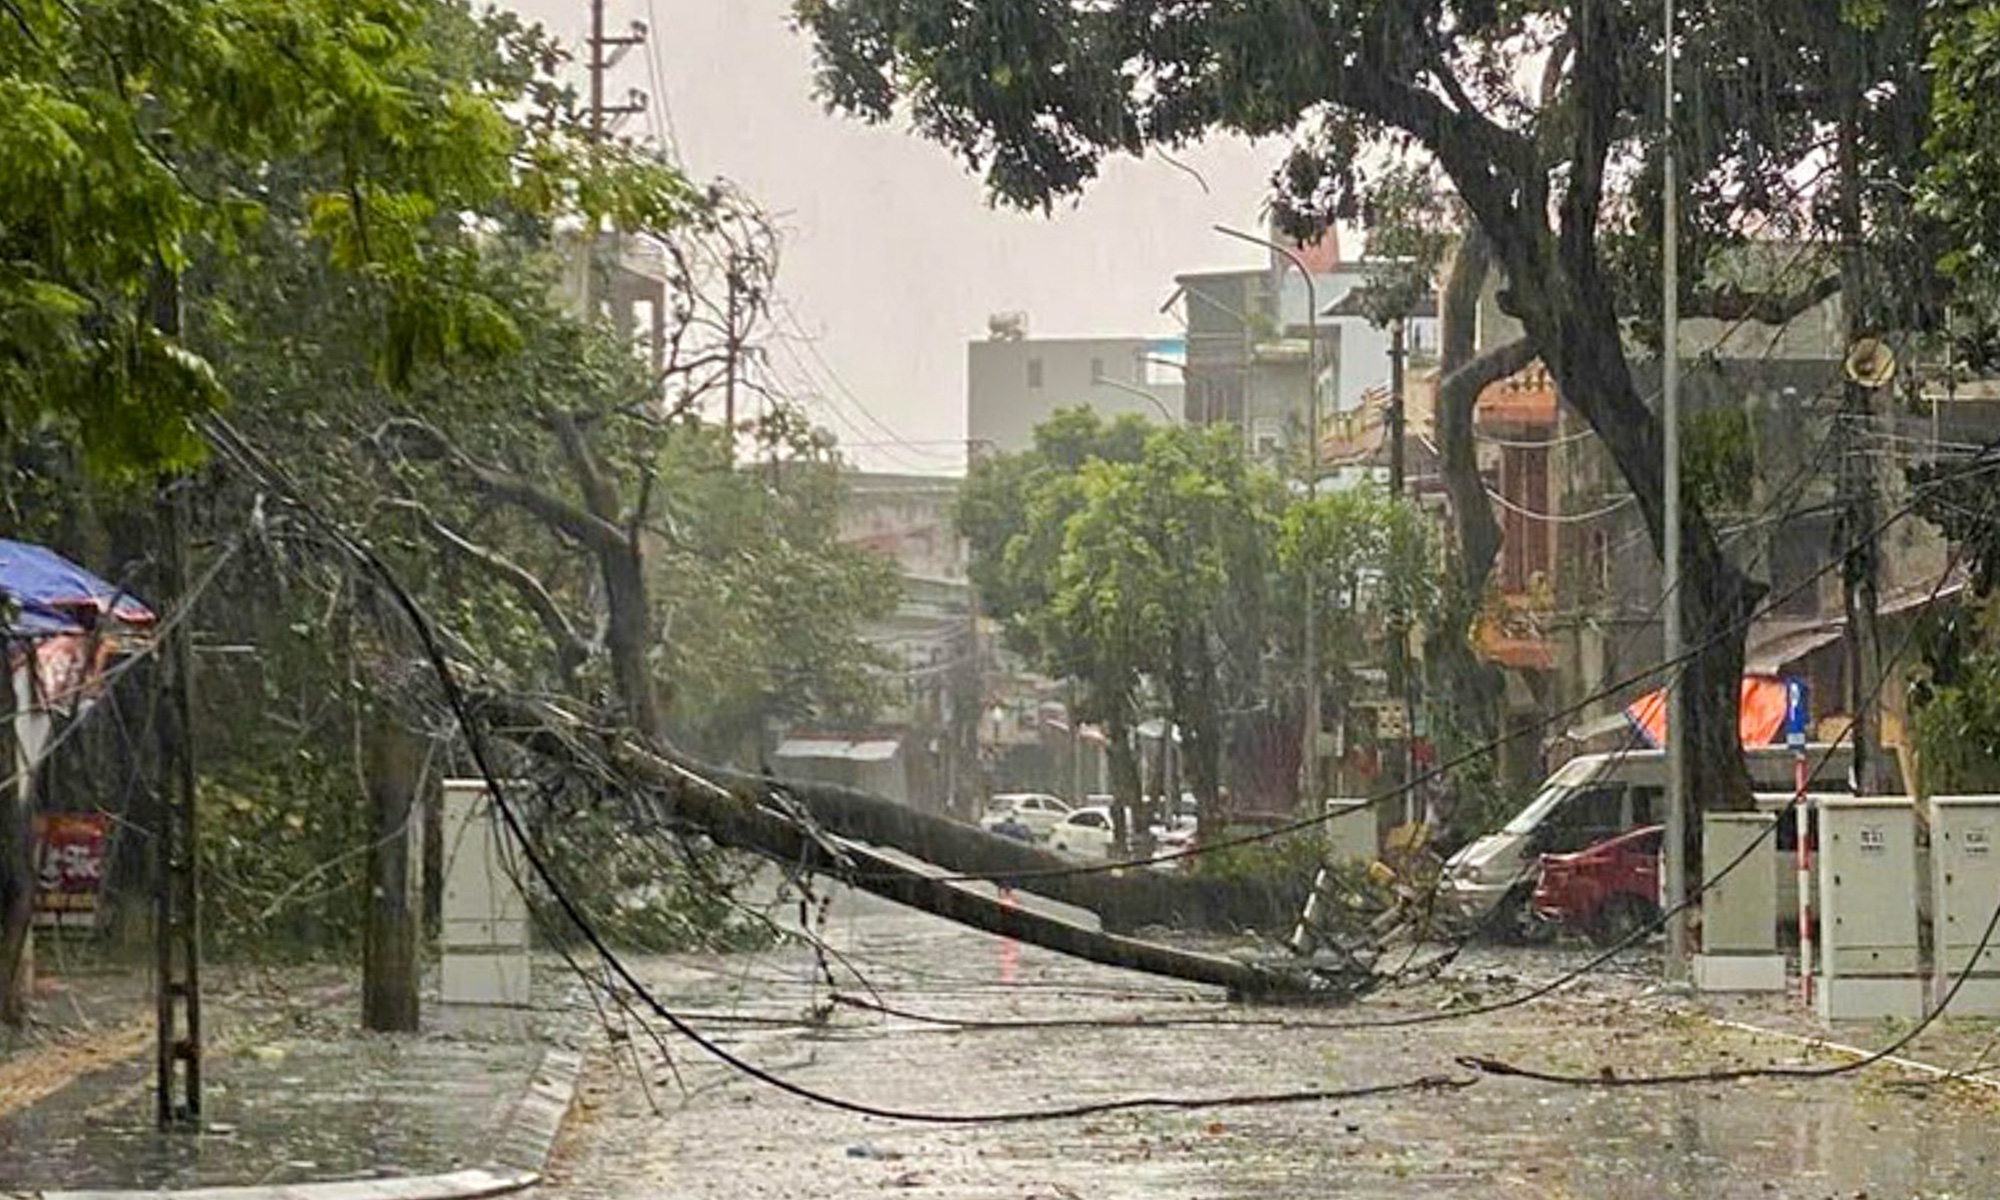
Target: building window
1034,372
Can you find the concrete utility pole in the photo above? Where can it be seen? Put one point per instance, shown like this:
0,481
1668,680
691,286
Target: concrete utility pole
177,867
1868,365
604,51
1309,754
1676,833
1399,661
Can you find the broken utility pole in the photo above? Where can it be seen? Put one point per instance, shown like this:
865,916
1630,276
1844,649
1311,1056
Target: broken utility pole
746,812
177,866
395,861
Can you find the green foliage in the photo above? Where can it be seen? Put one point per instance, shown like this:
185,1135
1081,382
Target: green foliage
139,140
1962,187
1169,573
1956,726
1293,859
1719,458
1013,509
762,600
640,893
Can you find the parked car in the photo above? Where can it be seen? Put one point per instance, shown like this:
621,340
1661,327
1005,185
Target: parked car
1591,798
1606,891
1039,811
1084,833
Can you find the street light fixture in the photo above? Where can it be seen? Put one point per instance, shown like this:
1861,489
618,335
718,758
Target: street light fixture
1309,769
1102,381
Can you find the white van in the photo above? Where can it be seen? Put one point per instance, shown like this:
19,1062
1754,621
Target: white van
1594,797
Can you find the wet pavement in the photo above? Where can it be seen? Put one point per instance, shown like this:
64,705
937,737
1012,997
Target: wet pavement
293,1091
720,1134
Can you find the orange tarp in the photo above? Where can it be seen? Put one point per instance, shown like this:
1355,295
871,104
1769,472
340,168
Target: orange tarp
1760,712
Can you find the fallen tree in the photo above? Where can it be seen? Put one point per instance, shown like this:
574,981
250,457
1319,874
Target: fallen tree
834,831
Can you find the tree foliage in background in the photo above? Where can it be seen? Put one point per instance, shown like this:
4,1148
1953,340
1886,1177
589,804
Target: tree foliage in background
1560,173
1164,573
332,221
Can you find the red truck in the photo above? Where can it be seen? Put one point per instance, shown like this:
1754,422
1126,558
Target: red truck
1607,890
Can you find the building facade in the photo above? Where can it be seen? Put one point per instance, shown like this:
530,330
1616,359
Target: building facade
1014,383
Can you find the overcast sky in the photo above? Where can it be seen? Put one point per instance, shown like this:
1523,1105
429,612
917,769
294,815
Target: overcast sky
893,258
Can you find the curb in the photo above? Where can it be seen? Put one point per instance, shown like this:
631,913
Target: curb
521,1154
1894,1060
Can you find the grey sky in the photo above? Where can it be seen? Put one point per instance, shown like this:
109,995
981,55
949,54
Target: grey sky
893,258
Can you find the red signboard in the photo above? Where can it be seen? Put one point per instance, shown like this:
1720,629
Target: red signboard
69,866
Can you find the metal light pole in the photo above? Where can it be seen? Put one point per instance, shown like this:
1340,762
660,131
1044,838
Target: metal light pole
1309,770
1670,383
1140,392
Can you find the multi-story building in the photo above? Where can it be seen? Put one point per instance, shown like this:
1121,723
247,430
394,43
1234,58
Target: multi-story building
921,747
1578,587
1250,346
1014,382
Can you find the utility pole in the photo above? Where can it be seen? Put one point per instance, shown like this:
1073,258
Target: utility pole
1676,834
176,860
1309,750
1867,366
177,868
1399,658
604,52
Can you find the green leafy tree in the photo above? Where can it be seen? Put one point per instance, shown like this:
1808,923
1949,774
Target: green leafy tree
1562,179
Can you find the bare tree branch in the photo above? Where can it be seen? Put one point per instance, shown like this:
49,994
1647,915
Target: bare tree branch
572,648
585,528
1732,303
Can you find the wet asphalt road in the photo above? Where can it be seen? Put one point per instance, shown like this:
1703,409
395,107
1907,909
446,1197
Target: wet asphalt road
719,1134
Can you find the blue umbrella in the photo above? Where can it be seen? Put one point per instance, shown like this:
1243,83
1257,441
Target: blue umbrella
48,595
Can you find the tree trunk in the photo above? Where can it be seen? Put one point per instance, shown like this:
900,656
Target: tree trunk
1477,540
1585,356
628,638
1126,784
1471,688
390,941
17,858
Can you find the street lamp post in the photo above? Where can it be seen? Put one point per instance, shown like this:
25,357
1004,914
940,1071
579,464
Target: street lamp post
1676,835
1309,769
1140,392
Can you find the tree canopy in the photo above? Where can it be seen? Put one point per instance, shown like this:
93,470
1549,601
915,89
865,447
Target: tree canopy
1799,120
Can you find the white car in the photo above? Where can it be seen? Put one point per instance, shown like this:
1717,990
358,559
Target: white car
1039,811
1084,833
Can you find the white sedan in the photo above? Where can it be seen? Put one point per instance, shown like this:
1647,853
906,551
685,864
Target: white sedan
1039,811
1084,833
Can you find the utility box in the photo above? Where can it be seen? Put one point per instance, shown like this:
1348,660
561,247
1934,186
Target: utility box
1965,890
1868,909
483,935
1350,832
1739,912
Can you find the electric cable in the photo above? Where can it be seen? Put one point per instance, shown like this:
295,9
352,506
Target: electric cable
1638,934
222,432
1982,466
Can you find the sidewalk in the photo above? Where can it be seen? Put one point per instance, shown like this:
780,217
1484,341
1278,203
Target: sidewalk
293,1093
